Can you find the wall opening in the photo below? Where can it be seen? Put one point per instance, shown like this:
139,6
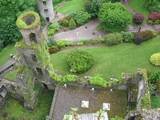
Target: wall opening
34,58
39,71
45,10
32,37
47,19
44,2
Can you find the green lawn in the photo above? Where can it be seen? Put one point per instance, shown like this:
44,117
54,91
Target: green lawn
70,6
11,75
155,101
138,5
4,54
15,111
112,61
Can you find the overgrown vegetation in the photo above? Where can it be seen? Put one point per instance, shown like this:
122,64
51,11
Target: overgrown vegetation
9,10
79,61
114,17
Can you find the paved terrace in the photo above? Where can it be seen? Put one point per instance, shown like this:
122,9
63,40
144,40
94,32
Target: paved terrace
66,98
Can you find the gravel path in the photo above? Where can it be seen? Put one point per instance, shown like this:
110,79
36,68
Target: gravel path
85,32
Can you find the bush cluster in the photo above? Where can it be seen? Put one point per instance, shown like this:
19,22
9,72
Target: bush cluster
117,38
152,5
154,18
155,59
138,18
53,28
154,80
76,19
114,16
140,37
98,81
81,17
113,39
79,61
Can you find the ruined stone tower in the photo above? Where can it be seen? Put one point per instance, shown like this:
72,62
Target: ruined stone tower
46,9
32,57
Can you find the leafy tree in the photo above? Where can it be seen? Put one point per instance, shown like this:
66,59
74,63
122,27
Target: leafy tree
114,16
9,10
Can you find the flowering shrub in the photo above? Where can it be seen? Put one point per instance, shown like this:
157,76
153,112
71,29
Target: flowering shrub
138,18
154,18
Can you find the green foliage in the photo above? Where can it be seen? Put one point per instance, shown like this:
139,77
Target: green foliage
69,78
117,118
155,101
113,39
154,80
9,9
81,17
127,37
152,5
53,28
63,43
114,16
98,81
155,59
79,61
146,99
72,23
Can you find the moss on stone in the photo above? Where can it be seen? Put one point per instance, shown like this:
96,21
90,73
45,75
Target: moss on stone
28,20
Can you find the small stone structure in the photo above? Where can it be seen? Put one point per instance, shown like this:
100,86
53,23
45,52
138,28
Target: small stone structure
152,114
46,9
29,25
3,94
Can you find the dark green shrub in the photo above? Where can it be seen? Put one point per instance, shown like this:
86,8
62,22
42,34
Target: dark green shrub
98,81
53,28
65,22
140,37
113,39
114,16
81,17
9,10
154,79
79,61
127,37
72,23
53,49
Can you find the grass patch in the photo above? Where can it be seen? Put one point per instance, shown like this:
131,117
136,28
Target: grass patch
112,61
11,75
155,101
4,54
14,111
68,7
138,6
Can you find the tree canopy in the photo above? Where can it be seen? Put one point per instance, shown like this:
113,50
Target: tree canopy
9,10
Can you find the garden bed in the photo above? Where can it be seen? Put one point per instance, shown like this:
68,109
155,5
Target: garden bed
113,61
